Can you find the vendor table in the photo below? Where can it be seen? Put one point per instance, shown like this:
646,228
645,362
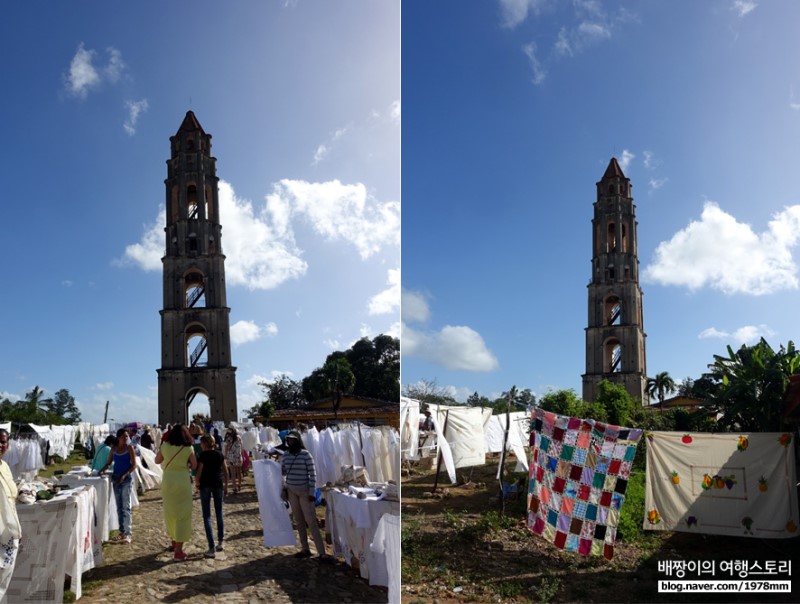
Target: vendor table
103,498
352,523
59,537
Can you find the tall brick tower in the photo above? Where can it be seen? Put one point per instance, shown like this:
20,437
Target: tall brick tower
195,323
615,338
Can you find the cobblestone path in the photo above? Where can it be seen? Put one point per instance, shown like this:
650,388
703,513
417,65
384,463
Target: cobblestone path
246,572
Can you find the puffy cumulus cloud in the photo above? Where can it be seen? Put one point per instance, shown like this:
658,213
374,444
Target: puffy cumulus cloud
259,244
415,307
514,12
388,300
749,334
83,76
456,347
539,72
243,332
341,212
719,252
134,108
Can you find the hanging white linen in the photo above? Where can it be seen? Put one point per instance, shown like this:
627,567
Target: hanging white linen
740,484
409,428
275,521
387,541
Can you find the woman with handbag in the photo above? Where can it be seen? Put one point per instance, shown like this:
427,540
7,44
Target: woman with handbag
176,456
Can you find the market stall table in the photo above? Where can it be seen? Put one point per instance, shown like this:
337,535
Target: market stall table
352,523
59,537
103,499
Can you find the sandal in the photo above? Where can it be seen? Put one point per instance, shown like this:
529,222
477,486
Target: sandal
303,554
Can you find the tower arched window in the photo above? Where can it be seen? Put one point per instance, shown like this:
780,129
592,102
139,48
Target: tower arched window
194,290
612,310
611,241
196,346
610,189
191,202
612,356
624,239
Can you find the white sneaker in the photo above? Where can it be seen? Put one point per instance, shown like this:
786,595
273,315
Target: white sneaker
210,553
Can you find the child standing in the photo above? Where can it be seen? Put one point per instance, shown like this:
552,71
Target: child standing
212,481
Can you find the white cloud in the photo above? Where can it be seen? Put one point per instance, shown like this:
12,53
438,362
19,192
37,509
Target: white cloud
743,7
657,183
115,67
325,148
414,307
455,347
514,12
331,343
649,160
591,32
719,252
394,330
388,300
260,247
83,76
626,159
66,283
271,329
340,212
394,111
134,109
539,72
103,386
243,332
749,334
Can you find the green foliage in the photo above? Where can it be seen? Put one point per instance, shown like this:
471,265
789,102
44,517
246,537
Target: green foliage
376,366
476,400
334,378
36,409
63,406
752,385
548,589
566,402
632,512
660,386
618,404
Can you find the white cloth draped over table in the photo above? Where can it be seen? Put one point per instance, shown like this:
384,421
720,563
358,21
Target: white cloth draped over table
352,523
387,541
59,538
275,519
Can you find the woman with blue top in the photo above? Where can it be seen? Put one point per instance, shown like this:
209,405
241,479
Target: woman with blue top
124,460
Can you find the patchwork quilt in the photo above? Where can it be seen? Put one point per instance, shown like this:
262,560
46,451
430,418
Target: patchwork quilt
579,473
722,484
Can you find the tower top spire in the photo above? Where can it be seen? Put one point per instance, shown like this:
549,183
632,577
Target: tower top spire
190,123
613,170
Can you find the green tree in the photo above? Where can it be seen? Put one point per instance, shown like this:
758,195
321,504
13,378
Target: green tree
476,400
660,386
566,402
334,379
618,404
62,409
753,382
376,366
284,393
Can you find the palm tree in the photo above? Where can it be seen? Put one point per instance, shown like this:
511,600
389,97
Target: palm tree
660,386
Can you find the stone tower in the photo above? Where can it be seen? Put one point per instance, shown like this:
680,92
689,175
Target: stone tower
195,323
615,338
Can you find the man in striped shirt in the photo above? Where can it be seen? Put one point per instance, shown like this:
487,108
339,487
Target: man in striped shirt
300,478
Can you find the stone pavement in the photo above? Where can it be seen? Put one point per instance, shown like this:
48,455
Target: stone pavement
246,572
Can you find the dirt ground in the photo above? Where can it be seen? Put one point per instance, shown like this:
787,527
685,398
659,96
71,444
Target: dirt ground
457,547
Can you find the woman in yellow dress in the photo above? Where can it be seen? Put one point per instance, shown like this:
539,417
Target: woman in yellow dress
10,530
176,456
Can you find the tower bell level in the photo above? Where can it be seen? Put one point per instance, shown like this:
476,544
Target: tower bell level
195,320
615,338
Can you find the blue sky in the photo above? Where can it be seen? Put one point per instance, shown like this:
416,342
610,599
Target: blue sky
302,99
512,111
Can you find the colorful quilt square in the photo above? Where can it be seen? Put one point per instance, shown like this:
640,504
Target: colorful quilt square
630,454
574,472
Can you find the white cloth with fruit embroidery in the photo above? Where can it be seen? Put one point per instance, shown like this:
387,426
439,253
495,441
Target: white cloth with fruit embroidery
738,484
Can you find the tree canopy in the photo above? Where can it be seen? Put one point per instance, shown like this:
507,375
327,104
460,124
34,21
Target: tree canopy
36,409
